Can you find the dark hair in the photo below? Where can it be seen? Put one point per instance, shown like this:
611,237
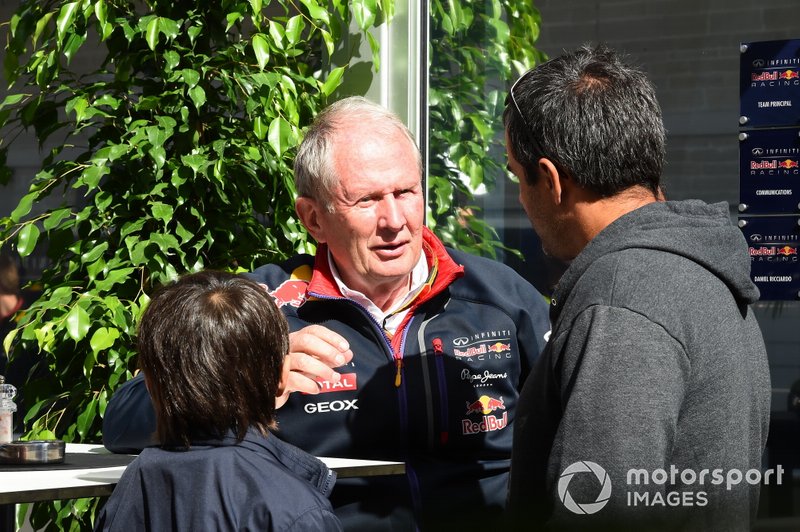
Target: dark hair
593,116
211,347
9,276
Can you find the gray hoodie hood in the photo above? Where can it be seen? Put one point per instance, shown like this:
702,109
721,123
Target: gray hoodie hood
692,229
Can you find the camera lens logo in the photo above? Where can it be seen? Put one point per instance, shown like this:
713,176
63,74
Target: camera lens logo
587,507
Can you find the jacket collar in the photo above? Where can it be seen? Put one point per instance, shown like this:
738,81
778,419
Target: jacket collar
299,462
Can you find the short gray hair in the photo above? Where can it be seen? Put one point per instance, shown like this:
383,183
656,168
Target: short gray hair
314,173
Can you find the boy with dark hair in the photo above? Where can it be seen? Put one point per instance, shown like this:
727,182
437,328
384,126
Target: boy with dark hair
211,348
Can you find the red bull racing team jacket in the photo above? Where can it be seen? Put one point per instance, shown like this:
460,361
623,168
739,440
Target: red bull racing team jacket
440,394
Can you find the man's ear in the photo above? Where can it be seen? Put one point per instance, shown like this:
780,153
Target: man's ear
308,210
554,180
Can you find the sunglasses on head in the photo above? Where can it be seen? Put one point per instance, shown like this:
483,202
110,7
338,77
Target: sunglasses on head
531,137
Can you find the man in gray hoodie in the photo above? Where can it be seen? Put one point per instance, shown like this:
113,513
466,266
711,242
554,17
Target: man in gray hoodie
649,408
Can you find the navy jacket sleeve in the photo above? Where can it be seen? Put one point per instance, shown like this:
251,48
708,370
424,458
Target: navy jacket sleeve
129,423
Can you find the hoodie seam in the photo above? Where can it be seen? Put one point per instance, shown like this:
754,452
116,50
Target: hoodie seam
566,330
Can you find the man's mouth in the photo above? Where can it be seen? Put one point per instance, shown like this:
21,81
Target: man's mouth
390,249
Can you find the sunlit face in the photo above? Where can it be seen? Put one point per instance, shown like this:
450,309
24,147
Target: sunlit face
375,230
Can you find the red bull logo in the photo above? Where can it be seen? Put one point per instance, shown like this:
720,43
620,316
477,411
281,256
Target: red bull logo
788,163
762,251
763,165
291,292
470,351
787,250
789,74
487,424
764,76
499,347
485,405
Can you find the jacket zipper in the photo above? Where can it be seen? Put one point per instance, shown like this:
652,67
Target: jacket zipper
444,411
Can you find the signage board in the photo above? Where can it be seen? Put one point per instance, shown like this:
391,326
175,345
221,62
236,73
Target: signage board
769,86
774,247
769,171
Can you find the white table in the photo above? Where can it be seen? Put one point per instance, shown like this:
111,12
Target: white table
100,470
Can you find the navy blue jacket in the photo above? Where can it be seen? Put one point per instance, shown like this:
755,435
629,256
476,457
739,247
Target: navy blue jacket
440,394
258,484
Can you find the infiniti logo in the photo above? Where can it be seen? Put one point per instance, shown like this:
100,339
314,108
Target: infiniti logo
758,151
463,340
755,237
758,63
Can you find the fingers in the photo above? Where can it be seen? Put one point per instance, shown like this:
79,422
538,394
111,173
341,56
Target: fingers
313,353
321,343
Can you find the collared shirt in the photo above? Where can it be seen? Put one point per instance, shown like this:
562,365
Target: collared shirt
392,318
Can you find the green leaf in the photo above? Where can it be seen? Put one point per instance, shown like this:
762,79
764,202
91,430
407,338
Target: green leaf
103,338
197,162
279,134
190,77
277,33
333,81
132,226
171,59
94,269
364,12
375,48
91,176
261,49
27,239
94,253
232,19
159,155
73,44
65,18
77,323
55,218
198,96
115,277
8,340
12,99
255,5
294,29
153,28
162,211
259,128
24,206
101,11
85,418
41,25
169,27
317,12
328,40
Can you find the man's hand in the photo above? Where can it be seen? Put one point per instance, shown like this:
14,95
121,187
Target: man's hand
313,352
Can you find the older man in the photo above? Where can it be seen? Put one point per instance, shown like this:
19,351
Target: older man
430,346
654,384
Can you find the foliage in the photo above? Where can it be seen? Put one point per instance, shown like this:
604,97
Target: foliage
170,128
477,49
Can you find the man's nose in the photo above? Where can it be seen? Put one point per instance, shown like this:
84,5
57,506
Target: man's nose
391,214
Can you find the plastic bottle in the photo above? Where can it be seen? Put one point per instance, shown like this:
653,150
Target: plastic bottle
7,409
